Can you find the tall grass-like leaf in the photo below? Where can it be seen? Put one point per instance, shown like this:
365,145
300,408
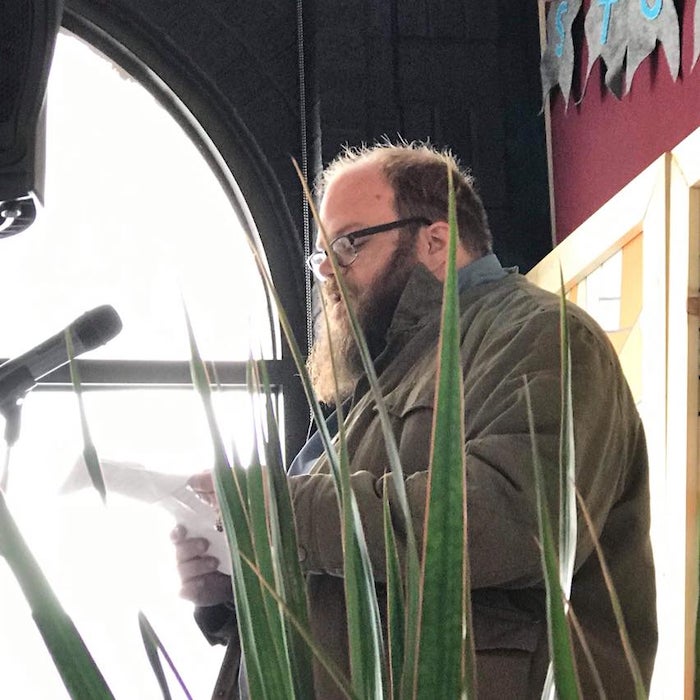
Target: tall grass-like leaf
364,623
395,603
73,661
153,645
412,581
258,507
331,668
290,580
567,456
445,657
561,650
266,677
89,452
316,410
363,612
640,691
412,567
588,654
362,609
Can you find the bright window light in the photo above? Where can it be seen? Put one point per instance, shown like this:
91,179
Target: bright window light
134,217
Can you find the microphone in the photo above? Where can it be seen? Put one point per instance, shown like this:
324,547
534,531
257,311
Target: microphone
89,331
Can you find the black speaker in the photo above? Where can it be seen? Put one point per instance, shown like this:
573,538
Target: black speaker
28,30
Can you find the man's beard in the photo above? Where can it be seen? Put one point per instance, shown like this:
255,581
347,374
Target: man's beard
374,308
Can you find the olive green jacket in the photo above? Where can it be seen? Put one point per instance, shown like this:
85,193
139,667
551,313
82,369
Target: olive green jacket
509,338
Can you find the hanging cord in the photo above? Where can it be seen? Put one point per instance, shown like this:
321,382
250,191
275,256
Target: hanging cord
304,170
306,218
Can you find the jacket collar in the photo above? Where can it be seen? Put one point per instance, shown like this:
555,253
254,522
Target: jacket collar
423,292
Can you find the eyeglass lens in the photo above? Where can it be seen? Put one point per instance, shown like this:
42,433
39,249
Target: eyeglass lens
344,251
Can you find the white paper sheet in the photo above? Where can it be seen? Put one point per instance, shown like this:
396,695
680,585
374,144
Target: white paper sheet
168,491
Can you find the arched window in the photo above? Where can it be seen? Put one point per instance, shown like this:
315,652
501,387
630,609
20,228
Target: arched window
134,217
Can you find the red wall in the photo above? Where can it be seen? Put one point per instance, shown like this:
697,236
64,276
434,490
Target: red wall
601,144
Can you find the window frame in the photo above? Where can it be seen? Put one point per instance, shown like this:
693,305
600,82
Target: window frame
225,150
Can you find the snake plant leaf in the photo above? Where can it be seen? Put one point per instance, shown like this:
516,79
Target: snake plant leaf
259,506
77,669
316,410
353,542
445,655
640,691
363,619
289,577
265,677
92,461
567,455
412,566
328,664
396,608
150,644
560,645
153,645
587,653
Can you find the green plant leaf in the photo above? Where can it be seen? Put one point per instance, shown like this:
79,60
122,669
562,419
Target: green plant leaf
412,567
259,506
92,461
363,619
264,667
561,650
396,608
585,648
73,661
289,577
445,656
567,455
330,667
153,645
640,691
303,374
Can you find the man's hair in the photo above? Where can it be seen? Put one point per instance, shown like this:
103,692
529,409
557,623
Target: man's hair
417,172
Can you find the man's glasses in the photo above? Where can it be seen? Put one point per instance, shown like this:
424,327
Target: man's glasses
344,246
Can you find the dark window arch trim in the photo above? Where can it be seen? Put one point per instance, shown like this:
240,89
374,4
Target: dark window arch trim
227,145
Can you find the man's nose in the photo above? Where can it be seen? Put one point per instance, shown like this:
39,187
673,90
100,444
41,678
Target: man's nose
325,268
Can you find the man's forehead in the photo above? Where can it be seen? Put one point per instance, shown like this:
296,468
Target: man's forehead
353,195
359,180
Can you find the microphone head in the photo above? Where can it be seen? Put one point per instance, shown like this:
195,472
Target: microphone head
96,327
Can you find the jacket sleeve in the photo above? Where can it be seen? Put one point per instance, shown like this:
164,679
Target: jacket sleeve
502,524
217,622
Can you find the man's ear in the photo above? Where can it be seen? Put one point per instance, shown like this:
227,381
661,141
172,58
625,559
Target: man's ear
438,237
432,249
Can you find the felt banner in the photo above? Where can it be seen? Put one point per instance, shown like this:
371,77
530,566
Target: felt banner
619,29
622,33
557,66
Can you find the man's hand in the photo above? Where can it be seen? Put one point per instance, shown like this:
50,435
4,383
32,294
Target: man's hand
202,584
203,486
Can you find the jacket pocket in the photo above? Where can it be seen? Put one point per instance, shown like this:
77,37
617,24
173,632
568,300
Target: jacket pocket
507,641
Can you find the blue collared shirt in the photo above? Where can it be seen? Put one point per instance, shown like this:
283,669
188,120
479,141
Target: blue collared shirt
484,269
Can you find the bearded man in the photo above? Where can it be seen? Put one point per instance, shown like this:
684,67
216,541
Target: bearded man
384,211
